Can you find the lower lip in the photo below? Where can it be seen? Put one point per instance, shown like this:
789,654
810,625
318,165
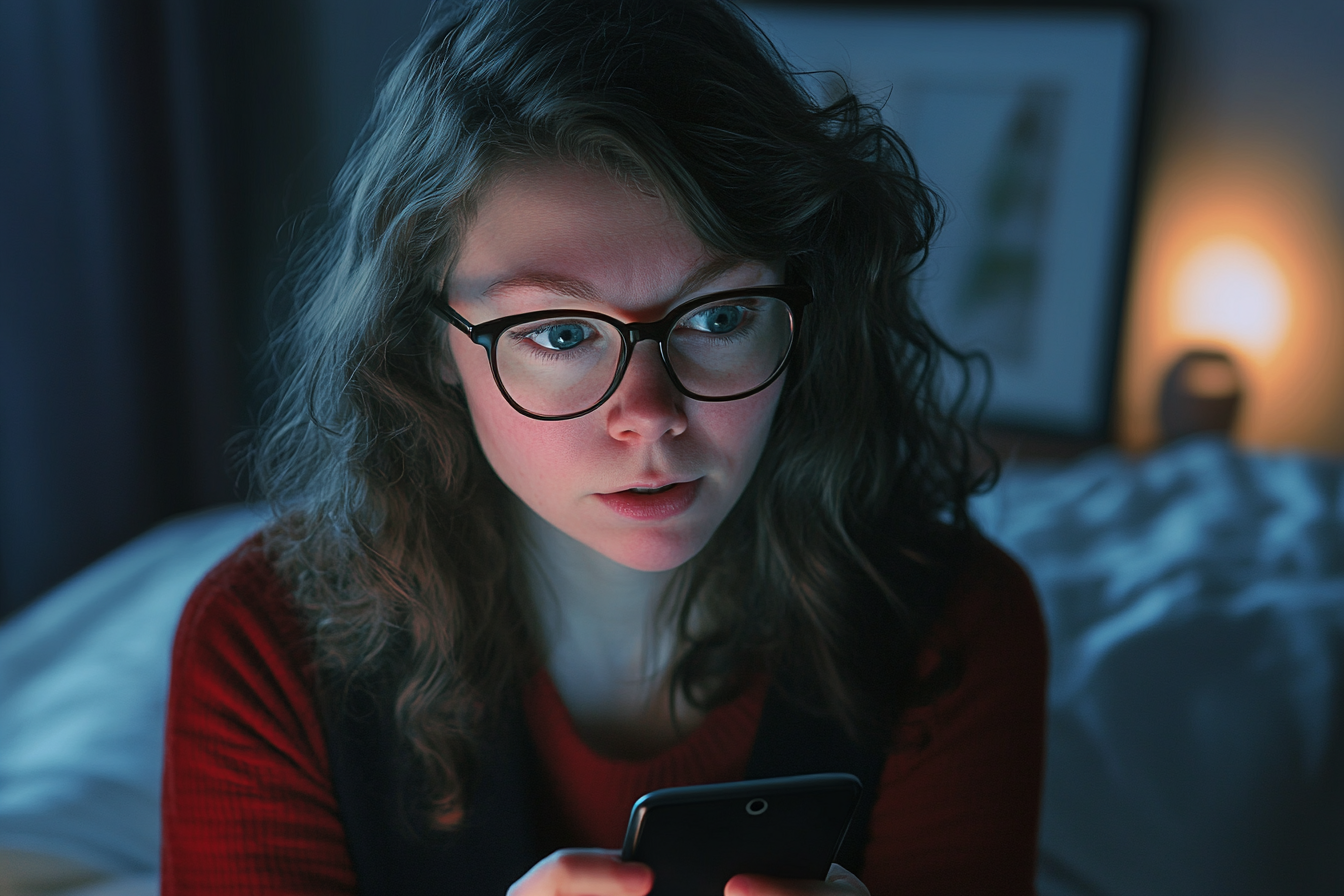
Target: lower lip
657,506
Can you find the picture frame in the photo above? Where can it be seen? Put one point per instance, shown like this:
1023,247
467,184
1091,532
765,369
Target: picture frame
1027,123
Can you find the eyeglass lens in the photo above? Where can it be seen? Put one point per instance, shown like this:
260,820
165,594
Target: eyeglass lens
565,365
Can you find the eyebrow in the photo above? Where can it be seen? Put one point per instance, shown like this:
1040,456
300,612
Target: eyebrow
584,292
565,286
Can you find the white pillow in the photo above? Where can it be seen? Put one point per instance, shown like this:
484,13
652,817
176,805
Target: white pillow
83,683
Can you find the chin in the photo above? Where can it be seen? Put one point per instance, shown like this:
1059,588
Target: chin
650,551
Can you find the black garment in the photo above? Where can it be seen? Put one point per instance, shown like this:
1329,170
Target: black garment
395,853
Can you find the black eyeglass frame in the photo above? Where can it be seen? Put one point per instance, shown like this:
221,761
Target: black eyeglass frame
796,295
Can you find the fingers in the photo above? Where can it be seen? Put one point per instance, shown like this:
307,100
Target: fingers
839,882
584,872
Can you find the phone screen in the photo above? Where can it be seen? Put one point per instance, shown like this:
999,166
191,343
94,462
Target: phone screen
696,838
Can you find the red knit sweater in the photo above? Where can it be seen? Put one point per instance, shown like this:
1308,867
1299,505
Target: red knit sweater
248,803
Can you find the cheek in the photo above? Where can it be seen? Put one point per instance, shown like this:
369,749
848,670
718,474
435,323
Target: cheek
738,430
526,454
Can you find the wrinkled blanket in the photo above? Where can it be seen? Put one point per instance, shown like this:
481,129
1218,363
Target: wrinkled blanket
1195,603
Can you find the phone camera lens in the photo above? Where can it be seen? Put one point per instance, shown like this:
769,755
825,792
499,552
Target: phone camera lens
757,806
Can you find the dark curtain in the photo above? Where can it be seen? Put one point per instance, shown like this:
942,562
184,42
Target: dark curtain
148,153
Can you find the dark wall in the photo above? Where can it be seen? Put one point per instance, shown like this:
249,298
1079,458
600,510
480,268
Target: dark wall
1247,71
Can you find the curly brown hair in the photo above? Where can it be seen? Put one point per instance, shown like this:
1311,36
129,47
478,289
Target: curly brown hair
393,531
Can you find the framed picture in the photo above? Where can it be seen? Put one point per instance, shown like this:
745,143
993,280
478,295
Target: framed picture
1026,123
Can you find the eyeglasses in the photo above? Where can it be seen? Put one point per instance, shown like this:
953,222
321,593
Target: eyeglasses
560,364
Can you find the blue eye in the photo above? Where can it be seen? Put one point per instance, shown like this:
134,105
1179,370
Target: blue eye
718,319
560,336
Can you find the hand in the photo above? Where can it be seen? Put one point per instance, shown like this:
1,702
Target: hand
839,882
586,872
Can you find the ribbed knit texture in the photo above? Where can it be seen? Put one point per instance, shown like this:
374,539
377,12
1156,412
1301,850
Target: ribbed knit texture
588,796
248,804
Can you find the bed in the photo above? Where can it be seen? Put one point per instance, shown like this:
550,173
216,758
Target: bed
1195,604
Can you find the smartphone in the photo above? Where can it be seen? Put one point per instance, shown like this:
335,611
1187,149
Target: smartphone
696,838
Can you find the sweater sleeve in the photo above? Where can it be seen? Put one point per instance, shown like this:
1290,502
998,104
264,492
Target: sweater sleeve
960,797
248,805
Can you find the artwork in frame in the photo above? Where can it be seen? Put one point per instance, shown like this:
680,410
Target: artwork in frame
1025,121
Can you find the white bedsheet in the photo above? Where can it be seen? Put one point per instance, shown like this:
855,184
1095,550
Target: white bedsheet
1195,601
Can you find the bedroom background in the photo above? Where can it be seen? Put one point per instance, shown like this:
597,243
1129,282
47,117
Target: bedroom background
160,157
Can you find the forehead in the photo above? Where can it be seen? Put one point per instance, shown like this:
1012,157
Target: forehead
557,222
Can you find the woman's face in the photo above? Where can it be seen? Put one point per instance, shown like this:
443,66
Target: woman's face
553,235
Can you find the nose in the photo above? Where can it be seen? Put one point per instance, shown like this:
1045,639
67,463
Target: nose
646,406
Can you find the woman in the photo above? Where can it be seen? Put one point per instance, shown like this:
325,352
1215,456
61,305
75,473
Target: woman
611,456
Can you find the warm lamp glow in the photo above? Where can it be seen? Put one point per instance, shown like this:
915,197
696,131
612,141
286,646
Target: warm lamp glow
1239,251
1230,290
